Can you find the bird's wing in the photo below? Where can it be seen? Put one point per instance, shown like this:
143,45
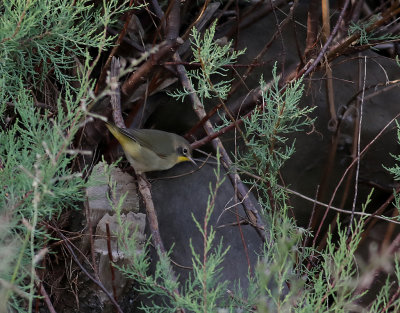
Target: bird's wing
161,143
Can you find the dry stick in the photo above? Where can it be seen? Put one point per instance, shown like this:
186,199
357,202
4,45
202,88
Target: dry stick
198,143
171,27
115,93
157,9
313,212
91,235
335,51
223,105
357,8
244,244
359,117
144,186
255,94
312,28
307,69
333,122
376,92
133,81
327,176
173,20
198,64
250,209
110,256
263,51
199,110
202,11
46,298
283,48
224,9
127,40
369,216
200,23
254,216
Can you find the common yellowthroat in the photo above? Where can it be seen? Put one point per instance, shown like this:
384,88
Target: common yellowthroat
150,149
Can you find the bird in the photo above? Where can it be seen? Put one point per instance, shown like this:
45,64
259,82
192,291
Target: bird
151,149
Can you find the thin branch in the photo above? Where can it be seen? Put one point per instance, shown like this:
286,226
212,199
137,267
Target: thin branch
373,215
250,209
132,83
110,256
311,67
360,114
46,298
380,217
144,186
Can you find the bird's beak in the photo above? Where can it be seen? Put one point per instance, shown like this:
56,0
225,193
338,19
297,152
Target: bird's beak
191,160
185,158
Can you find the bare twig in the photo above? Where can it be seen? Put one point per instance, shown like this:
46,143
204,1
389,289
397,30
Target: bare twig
46,298
380,217
373,215
360,116
250,209
157,9
144,187
110,256
133,81
308,69
312,28
115,93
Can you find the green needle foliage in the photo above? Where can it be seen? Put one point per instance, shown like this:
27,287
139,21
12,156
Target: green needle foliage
266,132
39,38
42,43
395,171
213,59
369,37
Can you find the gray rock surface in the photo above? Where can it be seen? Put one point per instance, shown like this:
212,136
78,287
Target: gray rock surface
177,199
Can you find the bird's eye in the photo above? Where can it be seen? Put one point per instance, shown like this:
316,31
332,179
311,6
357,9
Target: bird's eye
185,151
